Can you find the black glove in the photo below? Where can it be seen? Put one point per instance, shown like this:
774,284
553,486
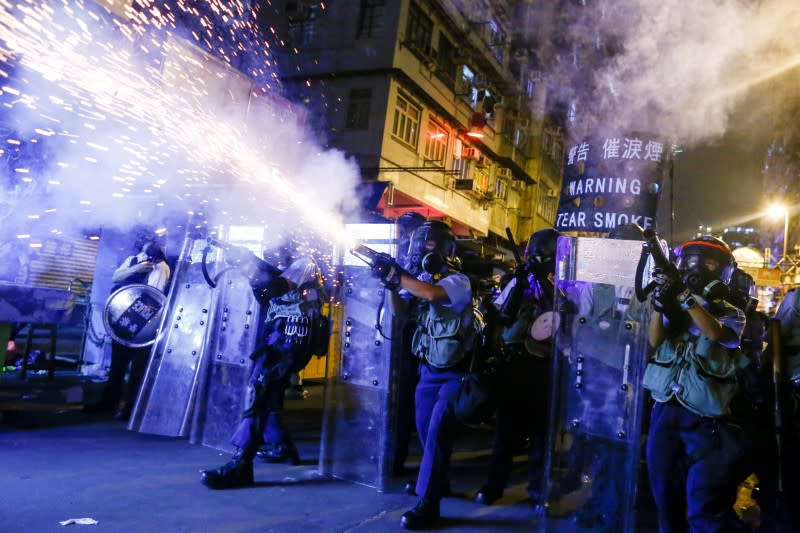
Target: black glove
521,272
668,286
387,270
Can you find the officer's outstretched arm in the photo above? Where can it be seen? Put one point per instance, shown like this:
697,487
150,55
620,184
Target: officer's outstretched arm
708,324
420,289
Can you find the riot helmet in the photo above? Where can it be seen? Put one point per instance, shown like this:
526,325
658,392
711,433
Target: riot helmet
627,232
706,265
406,224
432,248
743,291
540,253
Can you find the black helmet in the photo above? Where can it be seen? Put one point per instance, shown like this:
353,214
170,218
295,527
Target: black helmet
410,221
432,248
627,232
703,261
542,244
743,291
541,251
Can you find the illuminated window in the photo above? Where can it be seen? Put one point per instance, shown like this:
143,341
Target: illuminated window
358,109
435,142
405,127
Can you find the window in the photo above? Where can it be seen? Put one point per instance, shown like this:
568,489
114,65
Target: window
501,189
497,40
445,59
370,19
435,142
303,31
358,109
419,30
405,127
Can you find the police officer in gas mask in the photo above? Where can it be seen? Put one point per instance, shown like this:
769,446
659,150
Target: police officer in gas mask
291,298
696,454
441,340
524,349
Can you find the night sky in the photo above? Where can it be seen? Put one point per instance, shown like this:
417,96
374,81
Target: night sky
719,183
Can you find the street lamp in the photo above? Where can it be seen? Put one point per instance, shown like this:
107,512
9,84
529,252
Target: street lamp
776,211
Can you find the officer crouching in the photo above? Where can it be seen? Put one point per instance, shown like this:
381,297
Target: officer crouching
695,453
443,336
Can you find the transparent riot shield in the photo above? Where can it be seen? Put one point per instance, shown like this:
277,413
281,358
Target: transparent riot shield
196,379
597,401
358,414
169,386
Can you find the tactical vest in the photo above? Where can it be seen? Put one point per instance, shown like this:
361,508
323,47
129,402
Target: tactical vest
289,318
698,372
443,337
519,332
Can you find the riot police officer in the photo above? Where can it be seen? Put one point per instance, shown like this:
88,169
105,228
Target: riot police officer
443,335
779,479
292,305
695,454
149,267
524,347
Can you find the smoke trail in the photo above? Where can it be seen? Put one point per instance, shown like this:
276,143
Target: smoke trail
675,67
130,139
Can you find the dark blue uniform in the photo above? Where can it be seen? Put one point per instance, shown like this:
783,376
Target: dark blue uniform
435,418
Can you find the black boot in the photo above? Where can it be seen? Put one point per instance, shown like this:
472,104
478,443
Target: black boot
280,453
423,516
238,472
487,495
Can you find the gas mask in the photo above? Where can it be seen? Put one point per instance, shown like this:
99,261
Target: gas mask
430,250
706,266
540,266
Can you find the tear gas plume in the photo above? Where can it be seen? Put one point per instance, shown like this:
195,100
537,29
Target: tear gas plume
123,122
674,67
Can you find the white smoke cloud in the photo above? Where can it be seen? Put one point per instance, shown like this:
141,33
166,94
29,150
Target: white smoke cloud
682,67
128,143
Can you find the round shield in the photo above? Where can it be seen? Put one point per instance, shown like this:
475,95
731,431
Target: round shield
545,325
132,315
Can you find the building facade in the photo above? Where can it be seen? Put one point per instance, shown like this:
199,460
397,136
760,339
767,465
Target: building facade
442,109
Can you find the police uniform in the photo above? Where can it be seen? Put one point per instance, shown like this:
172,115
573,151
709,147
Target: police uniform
122,356
285,350
292,301
695,455
440,341
778,519
522,395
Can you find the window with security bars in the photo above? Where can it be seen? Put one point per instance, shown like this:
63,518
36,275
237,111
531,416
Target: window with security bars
501,189
419,30
370,19
405,127
302,32
358,105
435,142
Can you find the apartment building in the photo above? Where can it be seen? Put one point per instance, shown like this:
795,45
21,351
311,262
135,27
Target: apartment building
438,101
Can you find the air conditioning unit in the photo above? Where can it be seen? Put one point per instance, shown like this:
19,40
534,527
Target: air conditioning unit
504,172
468,152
